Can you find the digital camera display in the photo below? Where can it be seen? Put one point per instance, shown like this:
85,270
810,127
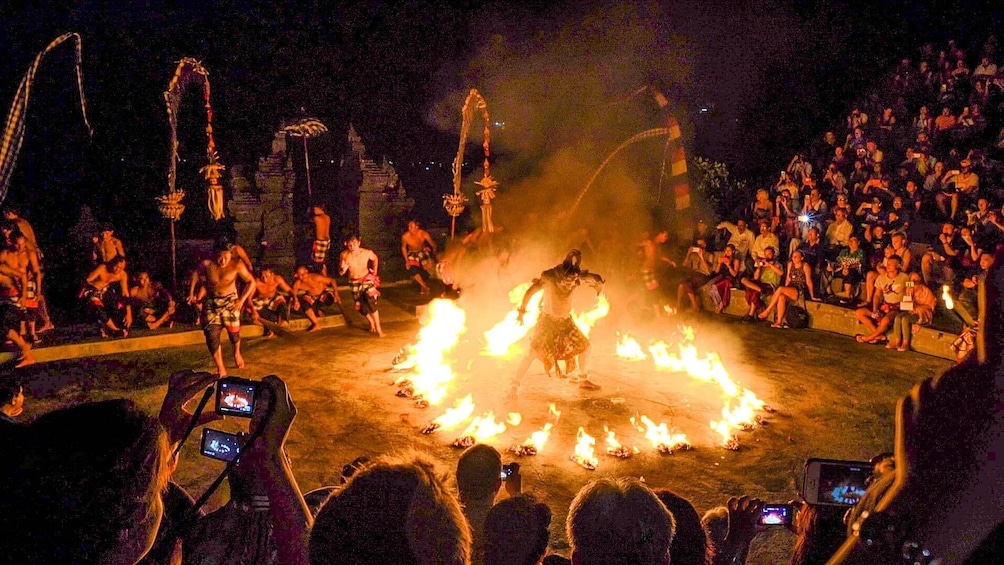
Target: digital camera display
842,484
235,397
775,515
220,445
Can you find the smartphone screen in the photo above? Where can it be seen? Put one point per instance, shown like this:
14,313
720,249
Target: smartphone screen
775,515
835,483
235,397
220,445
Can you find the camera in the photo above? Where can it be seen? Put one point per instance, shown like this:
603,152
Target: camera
831,482
220,445
775,515
695,249
236,397
509,471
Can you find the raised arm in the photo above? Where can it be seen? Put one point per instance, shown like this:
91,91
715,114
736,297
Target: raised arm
536,287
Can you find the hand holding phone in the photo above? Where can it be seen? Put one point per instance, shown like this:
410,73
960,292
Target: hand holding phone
512,480
835,483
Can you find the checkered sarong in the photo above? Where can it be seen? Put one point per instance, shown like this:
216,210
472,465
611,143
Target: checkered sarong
272,303
557,339
320,250
222,311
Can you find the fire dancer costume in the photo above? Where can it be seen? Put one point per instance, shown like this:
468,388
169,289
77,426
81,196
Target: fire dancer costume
221,312
560,339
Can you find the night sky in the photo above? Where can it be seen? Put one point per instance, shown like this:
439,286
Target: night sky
770,75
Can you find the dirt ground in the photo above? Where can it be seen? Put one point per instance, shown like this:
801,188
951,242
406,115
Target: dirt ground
834,398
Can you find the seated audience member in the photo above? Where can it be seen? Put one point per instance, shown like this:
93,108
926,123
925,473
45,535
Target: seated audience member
740,238
848,268
727,270
921,312
698,262
619,522
958,186
516,531
905,213
888,293
155,304
870,214
690,542
766,277
967,302
397,510
11,400
765,239
877,240
478,481
786,215
933,184
701,231
813,250
271,296
820,532
945,252
85,486
834,181
109,309
839,232
900,248
317,290
797,284
763,208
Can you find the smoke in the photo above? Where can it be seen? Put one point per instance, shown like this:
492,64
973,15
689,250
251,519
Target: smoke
560,99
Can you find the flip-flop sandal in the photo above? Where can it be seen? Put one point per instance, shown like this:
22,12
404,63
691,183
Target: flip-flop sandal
860,338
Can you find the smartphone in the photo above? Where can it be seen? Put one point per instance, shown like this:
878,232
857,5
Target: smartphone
835,483
220,445
509,470
236,397
775,515
695,249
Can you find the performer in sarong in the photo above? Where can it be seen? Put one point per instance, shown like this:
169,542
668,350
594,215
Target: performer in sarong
222,308
556,337
419,251
362,266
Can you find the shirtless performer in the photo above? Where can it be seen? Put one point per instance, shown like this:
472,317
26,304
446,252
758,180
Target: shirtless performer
155,303
105,309
556,337
362,266
318,290
11,313
223,306
652,256
107,247
22,259
267,297
11,215
418,250
322,237
197,282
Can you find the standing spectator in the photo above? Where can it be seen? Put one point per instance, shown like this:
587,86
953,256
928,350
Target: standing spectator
889,289
478,480
921,313
619,522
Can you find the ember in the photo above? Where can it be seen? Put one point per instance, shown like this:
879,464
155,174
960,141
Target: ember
523,450
463,442
732,444
430,428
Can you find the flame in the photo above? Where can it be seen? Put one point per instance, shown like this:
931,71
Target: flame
433,370
659,435
461,411
501,337
629,348
741,405
538,438
586,320
584,454
484,428
514,419
946,295
612,443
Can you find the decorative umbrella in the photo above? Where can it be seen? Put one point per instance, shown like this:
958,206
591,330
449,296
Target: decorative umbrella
305,128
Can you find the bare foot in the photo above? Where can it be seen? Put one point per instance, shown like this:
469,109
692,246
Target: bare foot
239,359
313,328
26,360
588,384
380,334
892,345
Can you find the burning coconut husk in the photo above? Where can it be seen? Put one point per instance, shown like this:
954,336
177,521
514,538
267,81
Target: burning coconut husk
584,455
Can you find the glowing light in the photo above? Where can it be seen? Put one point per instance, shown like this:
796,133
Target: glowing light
660,437
501,337
629,348
586,320
584,454
946,295
514,419
538,438
484,428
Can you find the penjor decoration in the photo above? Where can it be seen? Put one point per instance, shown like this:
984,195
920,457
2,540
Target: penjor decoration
189,71
13,134
456,202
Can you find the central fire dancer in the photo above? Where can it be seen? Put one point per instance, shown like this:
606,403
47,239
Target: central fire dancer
556,337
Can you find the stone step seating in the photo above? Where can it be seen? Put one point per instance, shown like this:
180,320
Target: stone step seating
80,344
837,319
